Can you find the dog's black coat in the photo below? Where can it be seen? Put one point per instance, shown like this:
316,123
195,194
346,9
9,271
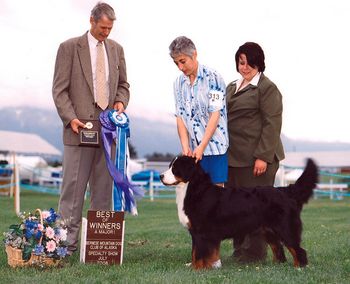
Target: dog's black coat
217,213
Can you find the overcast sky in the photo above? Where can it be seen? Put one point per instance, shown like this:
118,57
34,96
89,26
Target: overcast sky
306,45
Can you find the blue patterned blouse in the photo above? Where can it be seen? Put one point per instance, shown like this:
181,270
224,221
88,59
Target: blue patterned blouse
193,104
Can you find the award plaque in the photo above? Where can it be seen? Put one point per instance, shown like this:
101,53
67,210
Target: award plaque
102,237
90,135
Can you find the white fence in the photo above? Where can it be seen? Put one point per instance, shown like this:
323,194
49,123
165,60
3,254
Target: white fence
155,189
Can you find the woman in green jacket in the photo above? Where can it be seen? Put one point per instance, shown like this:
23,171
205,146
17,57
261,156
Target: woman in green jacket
254,110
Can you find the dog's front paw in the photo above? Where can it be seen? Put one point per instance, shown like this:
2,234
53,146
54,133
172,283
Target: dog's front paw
217,264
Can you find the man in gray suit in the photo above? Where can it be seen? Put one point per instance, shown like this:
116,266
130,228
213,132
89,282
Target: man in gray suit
75,93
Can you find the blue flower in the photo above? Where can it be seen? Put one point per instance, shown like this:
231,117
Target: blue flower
53,216
29,233
38,234
38,250
61,251
30,224
57,231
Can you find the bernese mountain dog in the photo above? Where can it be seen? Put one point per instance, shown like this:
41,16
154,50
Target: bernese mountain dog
212,213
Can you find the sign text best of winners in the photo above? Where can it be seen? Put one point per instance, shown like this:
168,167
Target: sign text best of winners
103,232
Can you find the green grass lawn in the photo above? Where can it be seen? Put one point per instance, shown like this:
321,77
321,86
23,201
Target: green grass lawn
157,247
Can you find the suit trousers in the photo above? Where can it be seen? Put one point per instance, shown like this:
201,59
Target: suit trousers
253,247
83,166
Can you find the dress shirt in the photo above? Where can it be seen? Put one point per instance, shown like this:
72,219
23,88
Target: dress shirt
253,82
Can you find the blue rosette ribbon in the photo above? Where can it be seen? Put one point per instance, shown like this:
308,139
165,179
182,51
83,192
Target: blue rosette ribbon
115,128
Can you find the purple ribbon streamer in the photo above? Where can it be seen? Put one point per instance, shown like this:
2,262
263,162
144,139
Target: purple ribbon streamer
108,130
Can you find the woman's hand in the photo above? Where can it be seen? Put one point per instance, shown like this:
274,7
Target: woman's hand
198,153
260,167
187,152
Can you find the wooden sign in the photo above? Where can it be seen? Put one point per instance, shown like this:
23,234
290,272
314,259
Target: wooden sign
102,237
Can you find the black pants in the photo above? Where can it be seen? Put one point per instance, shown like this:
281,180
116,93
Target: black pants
253,247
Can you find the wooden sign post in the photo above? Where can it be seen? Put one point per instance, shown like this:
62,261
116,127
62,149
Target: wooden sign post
102,237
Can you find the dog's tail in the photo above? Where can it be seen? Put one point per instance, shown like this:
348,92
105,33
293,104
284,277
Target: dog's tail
302,190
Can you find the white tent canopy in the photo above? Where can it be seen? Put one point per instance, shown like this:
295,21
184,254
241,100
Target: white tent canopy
26,143
331,159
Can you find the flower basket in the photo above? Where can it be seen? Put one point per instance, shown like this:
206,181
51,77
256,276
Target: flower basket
38,241
14,259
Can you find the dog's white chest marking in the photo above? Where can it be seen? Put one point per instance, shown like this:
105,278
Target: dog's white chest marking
168,178
181,189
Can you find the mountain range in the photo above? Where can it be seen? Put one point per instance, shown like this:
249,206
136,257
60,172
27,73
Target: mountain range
149,134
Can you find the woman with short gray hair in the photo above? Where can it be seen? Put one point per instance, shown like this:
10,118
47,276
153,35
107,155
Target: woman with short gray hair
200,102
182,45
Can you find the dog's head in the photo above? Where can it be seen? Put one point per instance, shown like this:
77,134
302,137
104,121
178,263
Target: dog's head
181,169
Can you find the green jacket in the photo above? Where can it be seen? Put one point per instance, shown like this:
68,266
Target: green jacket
254,123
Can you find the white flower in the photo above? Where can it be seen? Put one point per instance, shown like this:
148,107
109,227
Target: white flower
45,214
63,234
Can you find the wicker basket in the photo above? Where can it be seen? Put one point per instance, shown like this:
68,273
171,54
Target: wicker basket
14,255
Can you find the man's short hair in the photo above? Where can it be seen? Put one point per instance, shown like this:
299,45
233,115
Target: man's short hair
102,9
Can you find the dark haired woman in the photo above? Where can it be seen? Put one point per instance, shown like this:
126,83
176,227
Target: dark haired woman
254,109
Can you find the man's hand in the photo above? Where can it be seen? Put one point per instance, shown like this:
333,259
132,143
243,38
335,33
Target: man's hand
119,107
75,124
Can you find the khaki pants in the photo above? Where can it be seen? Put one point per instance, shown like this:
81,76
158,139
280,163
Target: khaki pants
83,165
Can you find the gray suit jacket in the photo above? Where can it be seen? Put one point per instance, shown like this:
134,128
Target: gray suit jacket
73,91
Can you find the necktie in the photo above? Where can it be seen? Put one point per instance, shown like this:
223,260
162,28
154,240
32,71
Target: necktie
101,94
